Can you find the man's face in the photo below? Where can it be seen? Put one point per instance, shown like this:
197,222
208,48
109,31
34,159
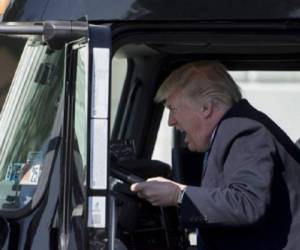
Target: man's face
187,117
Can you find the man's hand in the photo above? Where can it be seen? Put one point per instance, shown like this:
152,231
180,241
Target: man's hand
158,191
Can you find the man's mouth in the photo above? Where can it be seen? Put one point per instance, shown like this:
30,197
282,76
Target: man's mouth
184,133
180,130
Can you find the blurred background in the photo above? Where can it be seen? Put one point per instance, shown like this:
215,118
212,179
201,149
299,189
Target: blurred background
276,93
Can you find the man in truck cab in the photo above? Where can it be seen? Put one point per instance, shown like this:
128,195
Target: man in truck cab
249,197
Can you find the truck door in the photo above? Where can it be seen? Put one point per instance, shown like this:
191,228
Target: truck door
54,138
100,213
83,221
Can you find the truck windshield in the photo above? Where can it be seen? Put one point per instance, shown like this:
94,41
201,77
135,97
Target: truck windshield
27,122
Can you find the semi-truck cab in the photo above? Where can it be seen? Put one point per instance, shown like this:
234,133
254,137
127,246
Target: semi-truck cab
79,124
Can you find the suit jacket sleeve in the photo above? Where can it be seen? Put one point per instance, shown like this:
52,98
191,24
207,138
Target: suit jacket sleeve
240,194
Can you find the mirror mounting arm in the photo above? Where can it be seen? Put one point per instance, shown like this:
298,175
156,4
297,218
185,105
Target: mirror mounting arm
55,33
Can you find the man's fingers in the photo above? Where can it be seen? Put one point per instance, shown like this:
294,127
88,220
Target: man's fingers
133,187
157,179
136,187
158,191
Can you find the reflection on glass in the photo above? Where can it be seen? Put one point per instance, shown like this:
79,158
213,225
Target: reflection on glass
26,122
80,129
79,168
81,105
119,73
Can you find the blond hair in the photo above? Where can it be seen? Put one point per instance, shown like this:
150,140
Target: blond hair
203,79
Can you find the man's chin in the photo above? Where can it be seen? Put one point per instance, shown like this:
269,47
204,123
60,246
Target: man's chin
192,148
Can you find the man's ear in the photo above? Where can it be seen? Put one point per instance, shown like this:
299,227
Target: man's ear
207,109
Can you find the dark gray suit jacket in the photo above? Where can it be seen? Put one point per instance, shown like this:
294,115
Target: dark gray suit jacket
250,192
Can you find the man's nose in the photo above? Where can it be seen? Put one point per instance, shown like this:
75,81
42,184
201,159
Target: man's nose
171,120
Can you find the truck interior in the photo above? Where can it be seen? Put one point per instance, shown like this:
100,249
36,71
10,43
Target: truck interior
142,60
